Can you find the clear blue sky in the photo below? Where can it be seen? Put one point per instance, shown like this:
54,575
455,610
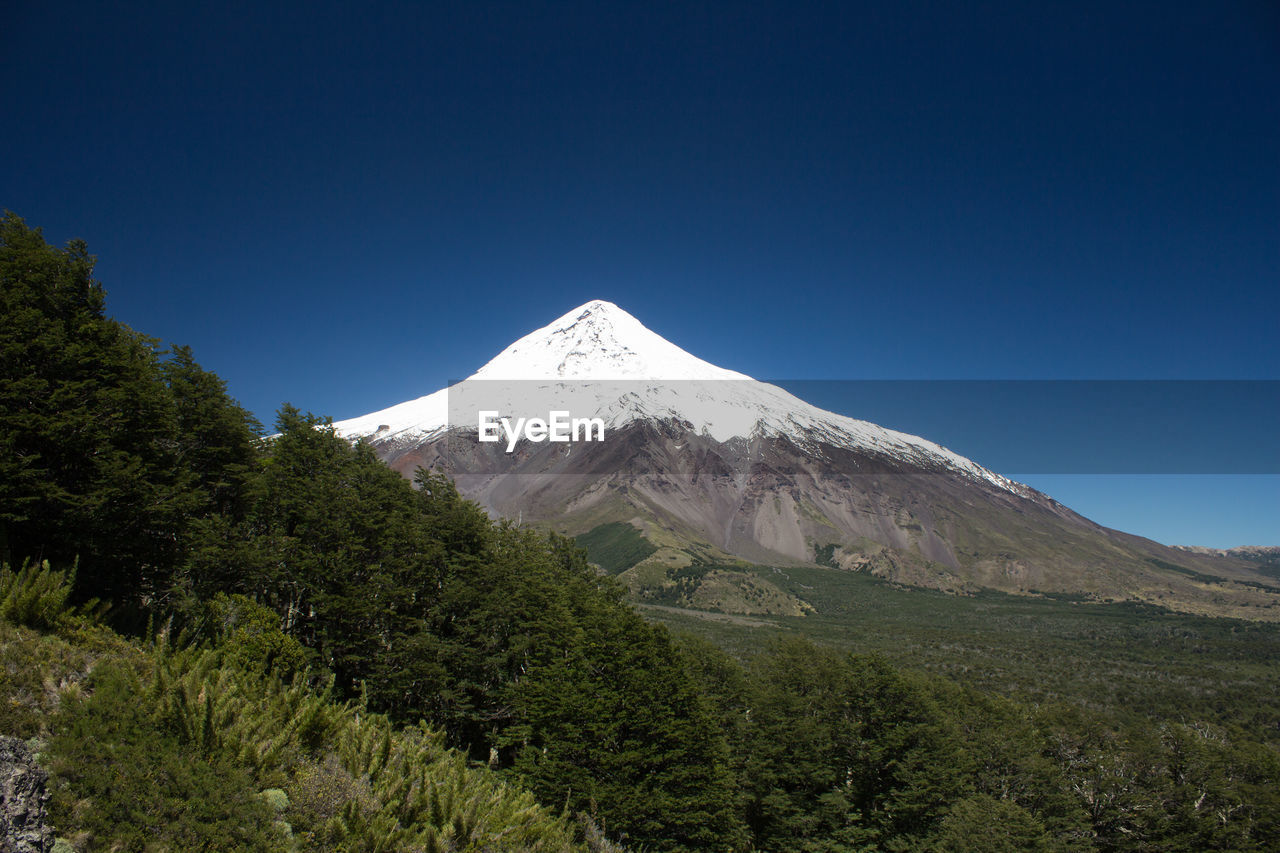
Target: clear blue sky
345,205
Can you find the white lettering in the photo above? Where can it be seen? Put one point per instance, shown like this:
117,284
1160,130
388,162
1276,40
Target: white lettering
488,427
587,424
558,427
513,435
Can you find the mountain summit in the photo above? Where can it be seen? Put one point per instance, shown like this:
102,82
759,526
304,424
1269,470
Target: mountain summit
595,341
703,470
598,340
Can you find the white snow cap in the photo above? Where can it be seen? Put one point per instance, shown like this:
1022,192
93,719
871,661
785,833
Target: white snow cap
606,364
598,340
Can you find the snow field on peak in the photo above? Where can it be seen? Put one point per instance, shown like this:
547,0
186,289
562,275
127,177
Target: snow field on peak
598,340
599,361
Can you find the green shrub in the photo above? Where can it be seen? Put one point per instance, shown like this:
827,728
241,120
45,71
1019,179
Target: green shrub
133,785
35,595
182,749
34,668
251,637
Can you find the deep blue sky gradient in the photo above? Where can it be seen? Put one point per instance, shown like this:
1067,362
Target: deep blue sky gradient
344,206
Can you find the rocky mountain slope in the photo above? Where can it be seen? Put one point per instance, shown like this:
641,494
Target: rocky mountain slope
713,468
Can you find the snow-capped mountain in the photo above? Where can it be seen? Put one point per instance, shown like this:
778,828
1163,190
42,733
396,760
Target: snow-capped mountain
603,362
710,466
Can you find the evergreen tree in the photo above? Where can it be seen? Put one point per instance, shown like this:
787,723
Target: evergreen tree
216,438
89,465
845,752
615,727
332,540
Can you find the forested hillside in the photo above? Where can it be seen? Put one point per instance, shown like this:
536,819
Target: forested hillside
224,745
298,637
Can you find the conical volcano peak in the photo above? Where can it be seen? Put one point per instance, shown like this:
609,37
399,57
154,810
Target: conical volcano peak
596,320
746,469
598,340
595,308
603,344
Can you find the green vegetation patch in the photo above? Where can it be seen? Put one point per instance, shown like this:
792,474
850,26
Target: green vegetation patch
615,546
152,747
1125,658
825,555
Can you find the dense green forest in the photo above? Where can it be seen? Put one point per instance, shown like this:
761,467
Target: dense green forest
222,640
1121,659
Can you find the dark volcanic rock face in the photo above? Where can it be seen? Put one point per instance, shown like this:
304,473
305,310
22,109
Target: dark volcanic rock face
22,800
